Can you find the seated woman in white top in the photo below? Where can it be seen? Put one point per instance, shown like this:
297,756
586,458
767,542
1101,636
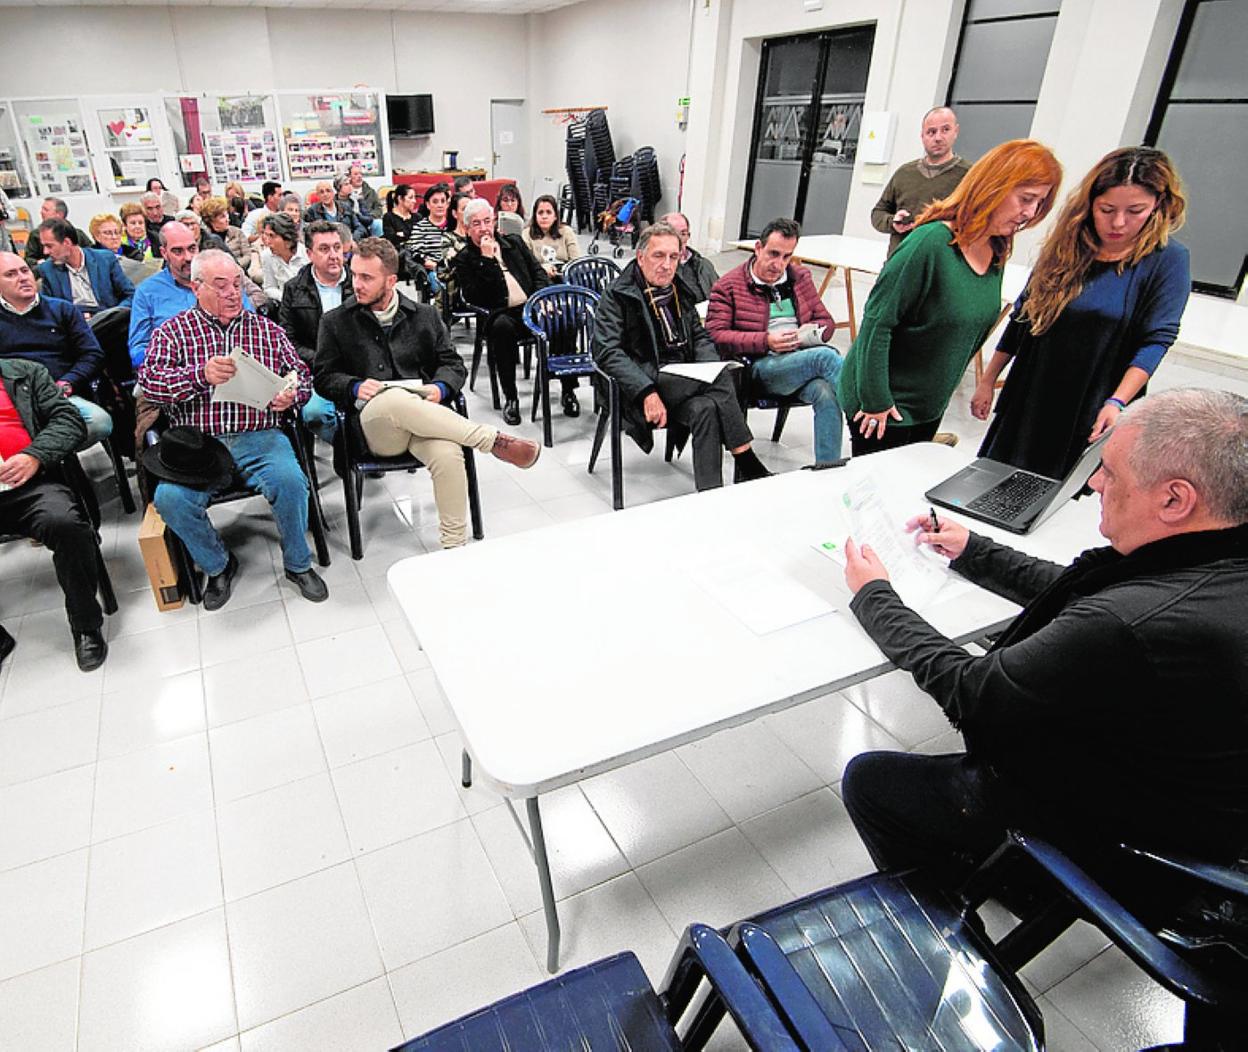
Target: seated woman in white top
284,254
553,243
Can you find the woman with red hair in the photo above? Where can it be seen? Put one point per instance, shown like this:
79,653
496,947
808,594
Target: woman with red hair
938,296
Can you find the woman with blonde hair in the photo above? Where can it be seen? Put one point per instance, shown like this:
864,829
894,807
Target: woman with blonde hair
938,296
105,230
1098,314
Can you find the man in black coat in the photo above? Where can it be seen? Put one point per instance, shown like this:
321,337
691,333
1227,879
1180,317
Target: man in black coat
498,272
1113,708
321,286
38,429
647,320
393,361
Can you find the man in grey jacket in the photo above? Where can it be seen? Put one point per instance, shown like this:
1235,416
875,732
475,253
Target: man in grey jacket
1112,708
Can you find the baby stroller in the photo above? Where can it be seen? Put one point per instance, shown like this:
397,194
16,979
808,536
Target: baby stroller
615,222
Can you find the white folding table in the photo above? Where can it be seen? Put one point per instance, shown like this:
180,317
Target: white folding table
649,658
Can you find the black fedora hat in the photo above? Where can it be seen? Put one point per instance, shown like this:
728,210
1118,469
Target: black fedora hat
188,456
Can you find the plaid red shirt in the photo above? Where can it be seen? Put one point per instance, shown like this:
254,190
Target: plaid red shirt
172,374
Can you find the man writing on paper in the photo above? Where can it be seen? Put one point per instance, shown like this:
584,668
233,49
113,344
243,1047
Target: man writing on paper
768,310
188,356
1112,709
381,337
646,320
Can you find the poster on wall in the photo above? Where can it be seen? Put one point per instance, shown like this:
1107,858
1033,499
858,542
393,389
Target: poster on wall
129,146
325,134
57,148
244,154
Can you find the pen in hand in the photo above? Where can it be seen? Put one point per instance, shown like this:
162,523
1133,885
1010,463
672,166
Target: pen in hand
935,521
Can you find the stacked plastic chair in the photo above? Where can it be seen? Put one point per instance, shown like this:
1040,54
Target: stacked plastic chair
646,186
579,185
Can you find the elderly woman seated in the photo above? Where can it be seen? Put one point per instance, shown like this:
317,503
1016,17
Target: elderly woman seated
106,233
215,214
134,227
195,225
292,205
284,255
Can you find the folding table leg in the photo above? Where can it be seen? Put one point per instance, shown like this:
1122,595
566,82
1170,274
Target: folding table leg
548,890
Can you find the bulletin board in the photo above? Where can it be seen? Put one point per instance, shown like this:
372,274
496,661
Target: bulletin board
14,180
54,137
129,146
323,133
228,137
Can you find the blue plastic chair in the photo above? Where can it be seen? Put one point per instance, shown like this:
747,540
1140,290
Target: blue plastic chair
595,273
887,961
894,960
561,319
609,1006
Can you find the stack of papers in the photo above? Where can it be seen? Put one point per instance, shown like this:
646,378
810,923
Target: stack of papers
253,383
916,575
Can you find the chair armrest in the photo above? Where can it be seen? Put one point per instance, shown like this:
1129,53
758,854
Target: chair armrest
1143,947
790,995
1214,877
704,953
460,404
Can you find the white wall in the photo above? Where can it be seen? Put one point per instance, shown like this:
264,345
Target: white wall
1094,98
157,49
635,57
631,57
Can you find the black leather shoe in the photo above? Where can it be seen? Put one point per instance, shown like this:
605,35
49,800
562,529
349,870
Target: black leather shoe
217,590
90,649
7,645
511,412
571,407
310,585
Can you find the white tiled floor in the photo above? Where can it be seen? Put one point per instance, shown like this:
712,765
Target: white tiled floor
247,831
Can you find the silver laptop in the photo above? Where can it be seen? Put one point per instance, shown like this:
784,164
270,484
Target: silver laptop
1009,497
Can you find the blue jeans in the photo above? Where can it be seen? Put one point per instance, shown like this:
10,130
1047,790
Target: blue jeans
321,417
99,423
811,374
266,462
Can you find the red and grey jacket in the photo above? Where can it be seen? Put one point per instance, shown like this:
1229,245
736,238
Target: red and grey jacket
740,309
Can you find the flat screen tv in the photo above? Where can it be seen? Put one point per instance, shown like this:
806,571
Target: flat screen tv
409,115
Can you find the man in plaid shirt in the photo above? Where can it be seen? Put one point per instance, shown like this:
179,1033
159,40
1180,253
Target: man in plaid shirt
187,357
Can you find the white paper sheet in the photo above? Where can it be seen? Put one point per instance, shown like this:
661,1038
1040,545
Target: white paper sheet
915,576
758,595
414,386
253,383
706,372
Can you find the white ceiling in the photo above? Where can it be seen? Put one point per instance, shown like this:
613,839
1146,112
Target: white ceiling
498,7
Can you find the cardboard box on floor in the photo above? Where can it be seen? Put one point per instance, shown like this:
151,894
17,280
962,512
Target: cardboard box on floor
158,560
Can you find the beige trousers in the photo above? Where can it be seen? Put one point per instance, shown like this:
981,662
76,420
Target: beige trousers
398,421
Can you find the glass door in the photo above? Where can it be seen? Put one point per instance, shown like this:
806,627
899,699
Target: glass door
806,124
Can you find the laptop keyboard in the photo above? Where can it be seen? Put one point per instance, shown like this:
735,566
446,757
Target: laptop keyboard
1011,495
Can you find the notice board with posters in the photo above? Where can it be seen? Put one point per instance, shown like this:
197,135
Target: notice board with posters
324,133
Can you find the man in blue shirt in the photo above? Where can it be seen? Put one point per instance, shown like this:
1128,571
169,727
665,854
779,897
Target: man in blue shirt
167,293
54,334
90,278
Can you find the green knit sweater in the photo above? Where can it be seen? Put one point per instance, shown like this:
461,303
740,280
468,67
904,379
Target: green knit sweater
925,317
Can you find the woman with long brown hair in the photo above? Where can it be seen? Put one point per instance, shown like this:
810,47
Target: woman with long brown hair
1099,312
938,295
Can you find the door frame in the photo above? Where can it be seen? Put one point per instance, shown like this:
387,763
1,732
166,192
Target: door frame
825,38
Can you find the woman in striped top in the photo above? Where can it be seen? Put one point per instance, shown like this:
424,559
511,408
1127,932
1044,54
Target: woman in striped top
427,243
